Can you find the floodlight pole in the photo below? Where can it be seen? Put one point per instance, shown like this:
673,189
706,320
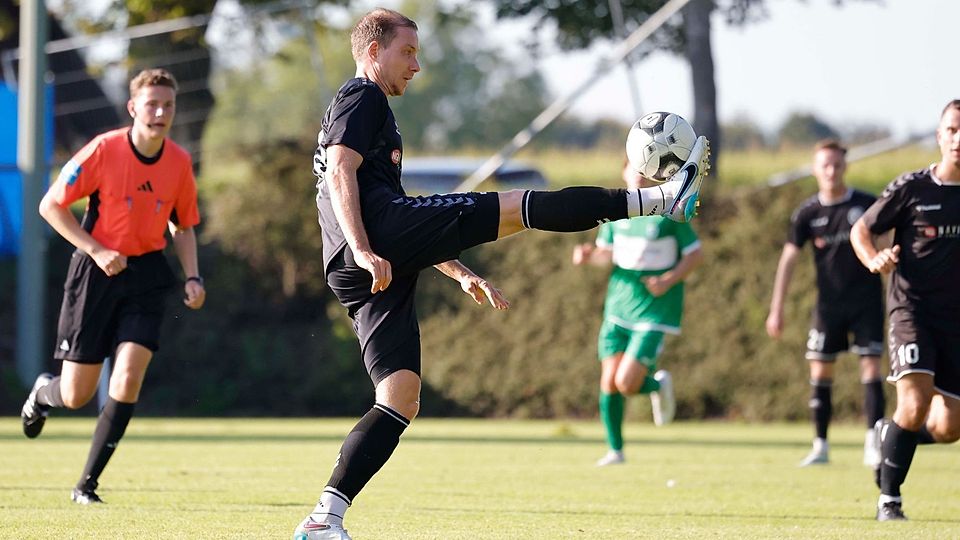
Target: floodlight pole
31,263
563,103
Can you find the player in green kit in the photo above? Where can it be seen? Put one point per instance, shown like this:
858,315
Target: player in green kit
651,256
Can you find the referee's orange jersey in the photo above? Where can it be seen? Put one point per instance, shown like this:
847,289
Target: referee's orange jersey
131,198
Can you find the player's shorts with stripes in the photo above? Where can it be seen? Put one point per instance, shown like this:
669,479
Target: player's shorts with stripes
831,326
930,346
99,311
413,233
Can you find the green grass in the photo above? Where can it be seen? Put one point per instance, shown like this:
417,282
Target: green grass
465,479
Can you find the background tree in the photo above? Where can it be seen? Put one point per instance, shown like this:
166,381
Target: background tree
802,129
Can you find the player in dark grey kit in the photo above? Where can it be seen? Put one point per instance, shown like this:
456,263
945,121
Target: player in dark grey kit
376,240
849,299
923,299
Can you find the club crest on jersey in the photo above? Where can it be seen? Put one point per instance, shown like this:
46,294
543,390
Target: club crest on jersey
395,156
854,214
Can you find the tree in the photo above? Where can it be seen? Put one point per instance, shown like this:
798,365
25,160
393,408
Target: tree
802,129
743,134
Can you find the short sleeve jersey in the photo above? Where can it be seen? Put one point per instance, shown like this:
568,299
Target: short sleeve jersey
841,278
645,246
925,214
360,119
131,198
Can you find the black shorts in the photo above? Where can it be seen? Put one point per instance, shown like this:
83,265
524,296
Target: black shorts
918,346
99,312
413,233
831,325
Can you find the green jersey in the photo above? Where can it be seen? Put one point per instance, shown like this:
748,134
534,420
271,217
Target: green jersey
645,246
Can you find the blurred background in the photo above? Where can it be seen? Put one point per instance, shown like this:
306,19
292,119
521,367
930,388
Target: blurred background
763,79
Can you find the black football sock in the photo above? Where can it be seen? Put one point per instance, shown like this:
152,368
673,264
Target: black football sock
925,437
49,395
873,402
573,209
111,425
821,405
897,448
366,449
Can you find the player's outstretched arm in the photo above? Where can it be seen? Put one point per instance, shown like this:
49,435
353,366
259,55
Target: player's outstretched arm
63,221
788,259
864,244
588,253
477,287
342,165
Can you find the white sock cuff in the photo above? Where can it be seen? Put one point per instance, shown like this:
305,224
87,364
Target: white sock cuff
884,499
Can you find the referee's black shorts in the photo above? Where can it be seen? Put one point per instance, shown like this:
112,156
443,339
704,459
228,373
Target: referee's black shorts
99,311
413,233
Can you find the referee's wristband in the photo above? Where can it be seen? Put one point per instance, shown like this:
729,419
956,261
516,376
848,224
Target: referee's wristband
198,279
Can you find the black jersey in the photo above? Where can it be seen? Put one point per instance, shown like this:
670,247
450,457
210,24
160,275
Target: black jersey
840,276
360,119
926,215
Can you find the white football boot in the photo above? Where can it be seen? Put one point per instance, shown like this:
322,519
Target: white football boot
662,401
314,530
686,199
612,457
819,454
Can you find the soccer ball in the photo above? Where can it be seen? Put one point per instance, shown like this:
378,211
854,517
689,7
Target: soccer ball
658,145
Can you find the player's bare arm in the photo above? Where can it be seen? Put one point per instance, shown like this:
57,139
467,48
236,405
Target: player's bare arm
588,253
65,223
882,261
658,285
185,245
788,259
472,284
342,165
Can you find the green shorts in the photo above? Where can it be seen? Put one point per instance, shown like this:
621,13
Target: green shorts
644,346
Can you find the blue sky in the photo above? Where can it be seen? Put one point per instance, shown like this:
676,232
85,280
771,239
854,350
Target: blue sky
890,63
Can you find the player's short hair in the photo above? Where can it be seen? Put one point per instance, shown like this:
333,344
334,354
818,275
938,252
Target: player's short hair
830,144
379,25
953,104
152,77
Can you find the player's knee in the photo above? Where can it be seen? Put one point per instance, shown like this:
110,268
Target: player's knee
911,413
627,385
947,434
74,398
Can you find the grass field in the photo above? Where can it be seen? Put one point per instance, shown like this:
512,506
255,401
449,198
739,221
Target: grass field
466,479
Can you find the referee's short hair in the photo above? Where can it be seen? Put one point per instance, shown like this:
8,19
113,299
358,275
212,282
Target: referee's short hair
379,25
152,77
830,144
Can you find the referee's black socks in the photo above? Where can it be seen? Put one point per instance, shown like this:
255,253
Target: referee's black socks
49,395
111,426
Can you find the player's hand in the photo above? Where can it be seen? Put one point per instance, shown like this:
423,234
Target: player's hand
775,324
378,267
195,294
481,290
581,253
885,260
657,285
110,261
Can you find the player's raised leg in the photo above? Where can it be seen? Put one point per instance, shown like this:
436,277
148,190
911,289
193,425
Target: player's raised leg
580,208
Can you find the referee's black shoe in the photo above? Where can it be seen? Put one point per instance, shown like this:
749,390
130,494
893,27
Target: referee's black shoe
85,496
33,414
891,511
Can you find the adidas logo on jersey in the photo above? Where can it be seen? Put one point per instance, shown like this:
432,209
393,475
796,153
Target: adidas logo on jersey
145,187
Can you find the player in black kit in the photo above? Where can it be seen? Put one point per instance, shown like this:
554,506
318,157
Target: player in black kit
923,299
376,240
849,299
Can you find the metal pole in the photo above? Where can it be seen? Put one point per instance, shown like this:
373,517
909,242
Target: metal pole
620,31
31,264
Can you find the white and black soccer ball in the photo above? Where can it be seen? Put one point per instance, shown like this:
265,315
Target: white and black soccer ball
658,144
